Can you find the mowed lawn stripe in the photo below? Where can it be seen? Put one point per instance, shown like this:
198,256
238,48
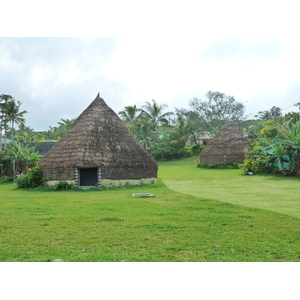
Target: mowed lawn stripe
275,193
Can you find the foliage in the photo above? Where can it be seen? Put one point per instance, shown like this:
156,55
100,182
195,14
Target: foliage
255,163
195,150
13,114
144,134
167,148
218,166
154,114
130,115
63,186
282,156
25,134
32,179
10,113
218,109
17,158
189,123
4,100
56,132
272,114
5,179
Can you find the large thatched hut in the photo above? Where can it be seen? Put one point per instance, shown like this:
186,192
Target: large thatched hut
228,146
98,150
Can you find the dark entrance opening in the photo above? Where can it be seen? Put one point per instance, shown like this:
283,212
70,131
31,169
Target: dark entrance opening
88,177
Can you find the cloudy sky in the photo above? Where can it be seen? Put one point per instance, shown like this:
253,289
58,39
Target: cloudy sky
167,51
57,78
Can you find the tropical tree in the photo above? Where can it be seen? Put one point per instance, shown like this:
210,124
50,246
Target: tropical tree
144,134
168,147
280,155
56,132
181,130
4,100
293,147
188,124
155,115
283,148
18,159
25,134
130,115
219,108
13,114
272,114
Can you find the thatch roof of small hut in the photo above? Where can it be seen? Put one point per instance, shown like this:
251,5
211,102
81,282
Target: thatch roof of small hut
98,139
227,146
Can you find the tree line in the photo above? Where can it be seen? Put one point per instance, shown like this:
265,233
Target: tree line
164,134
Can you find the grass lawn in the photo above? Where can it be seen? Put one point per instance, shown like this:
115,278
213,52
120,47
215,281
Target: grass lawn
275,193
111,225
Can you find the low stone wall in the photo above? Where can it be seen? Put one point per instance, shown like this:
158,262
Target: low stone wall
110,182
114,183
53,182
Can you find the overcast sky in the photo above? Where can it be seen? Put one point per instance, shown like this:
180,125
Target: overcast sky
58,78
170,51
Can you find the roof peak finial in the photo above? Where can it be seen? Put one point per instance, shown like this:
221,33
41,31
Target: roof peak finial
98,96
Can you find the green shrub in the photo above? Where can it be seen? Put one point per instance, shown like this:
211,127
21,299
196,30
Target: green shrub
7,179
197,149
188,151
63,186
219,166
32,179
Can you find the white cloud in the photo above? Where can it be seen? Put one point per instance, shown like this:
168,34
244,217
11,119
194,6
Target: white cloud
173,70
69,73
58,78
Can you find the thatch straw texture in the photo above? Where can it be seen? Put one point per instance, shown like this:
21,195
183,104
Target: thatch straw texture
98,139
227,146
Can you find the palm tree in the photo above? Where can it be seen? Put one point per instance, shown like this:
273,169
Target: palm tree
3,108
130,115
13,114
144,134
25,134
154,114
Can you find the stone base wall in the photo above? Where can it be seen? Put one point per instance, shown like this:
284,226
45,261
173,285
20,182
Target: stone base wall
53,182
111,183
114,183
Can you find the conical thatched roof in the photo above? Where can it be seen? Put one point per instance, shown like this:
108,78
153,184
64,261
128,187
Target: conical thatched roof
98,139
227,146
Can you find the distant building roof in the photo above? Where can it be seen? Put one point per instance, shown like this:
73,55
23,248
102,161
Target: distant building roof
41,147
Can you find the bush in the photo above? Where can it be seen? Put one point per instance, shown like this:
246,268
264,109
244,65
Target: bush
219,166
32,179
63,186
168,151
7,179
188,151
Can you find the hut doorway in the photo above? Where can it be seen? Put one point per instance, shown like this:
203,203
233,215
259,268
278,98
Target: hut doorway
89,177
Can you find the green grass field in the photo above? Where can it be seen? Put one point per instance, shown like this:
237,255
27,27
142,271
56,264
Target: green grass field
276,193
175,225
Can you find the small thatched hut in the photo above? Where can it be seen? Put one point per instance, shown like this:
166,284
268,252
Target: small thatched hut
227,146
98,150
